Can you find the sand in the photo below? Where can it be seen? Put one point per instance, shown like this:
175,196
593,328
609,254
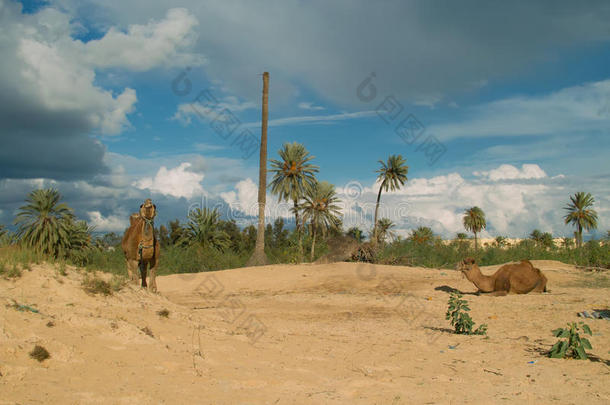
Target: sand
341,333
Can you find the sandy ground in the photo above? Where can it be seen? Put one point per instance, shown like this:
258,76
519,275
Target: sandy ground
340,333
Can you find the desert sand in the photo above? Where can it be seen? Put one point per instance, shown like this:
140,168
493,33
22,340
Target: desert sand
343,333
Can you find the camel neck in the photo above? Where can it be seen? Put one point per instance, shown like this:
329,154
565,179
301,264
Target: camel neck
483,282
147,229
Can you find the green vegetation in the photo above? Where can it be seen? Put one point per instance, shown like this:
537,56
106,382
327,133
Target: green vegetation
47,230
292,175
457,314
320,209
571,344
392,176
438,253
580,214
95,285
474,221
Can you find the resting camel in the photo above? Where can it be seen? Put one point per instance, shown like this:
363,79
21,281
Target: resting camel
140,245
516,278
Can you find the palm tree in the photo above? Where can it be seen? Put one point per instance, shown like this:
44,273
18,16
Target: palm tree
422,235
320,209
474,221
536,235
384,230
501,241
567,243
461,236
392,176
292,175
44,222
580,214
79,241
355,233
259,258
203,228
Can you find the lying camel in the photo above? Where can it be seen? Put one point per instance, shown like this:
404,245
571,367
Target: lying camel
141,246
516,278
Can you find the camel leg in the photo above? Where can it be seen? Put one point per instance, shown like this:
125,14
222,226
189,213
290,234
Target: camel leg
143,272
132,270
541,287
153,274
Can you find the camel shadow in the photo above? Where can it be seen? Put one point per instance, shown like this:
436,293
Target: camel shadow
450,290
437,329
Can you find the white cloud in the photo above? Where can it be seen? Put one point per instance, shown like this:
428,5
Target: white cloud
111,223
176,182
515,202
310,106
59,72
143,47
244,199
314,119
569,111
510,172
209,109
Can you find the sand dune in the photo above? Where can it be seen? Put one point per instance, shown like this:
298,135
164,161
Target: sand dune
295,334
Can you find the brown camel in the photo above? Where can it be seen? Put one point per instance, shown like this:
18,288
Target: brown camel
141,246
516,278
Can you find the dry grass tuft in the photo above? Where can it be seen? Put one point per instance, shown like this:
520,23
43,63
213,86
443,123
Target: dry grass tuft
95,285
147,331
39,353
163,313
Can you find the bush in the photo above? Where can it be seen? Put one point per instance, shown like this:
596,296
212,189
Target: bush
460,320
95,285
571,344
39,353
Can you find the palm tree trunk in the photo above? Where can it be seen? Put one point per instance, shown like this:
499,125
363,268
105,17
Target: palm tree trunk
579,241
298,228
374,241
313,241
258,257
476,246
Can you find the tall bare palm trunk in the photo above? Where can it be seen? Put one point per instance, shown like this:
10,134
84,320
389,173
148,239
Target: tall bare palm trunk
313,242
374,241
298,228
258,257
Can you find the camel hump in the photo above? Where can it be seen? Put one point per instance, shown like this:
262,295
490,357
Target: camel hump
133,218
527,262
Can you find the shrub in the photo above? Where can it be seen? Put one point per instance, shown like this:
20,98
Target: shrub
39,353
460,320
164,313
95,285
570,343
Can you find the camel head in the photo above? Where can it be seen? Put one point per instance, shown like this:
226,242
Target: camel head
148,210
466,265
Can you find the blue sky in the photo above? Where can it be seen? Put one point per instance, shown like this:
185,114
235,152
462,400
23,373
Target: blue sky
517,97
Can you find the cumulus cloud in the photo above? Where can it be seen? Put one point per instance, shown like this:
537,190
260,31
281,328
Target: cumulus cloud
177,182
510,172
419,53
111,223
146,46
244,199
51,100
514,200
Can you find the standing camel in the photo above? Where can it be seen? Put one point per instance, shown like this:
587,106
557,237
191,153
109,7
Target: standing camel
141,246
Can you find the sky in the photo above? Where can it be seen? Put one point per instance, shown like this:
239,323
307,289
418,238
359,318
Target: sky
502,105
